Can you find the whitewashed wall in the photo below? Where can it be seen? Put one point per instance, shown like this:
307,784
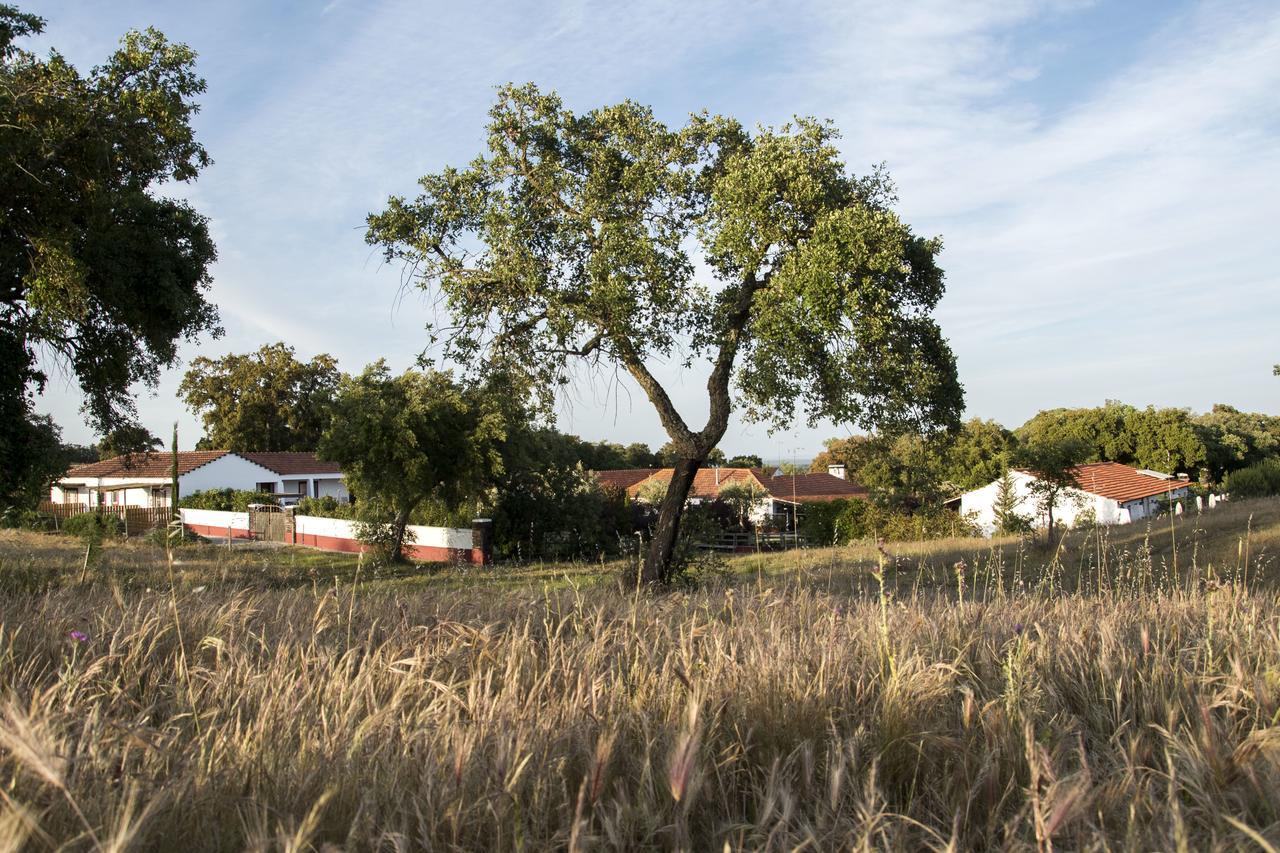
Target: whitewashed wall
226,472
216,519
1070,507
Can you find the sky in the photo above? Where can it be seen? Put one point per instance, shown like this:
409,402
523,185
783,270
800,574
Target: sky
1105,176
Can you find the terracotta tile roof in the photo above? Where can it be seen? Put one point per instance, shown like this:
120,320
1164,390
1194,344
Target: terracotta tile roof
151,464
707,483
624,478
813,488
286,464
1122,483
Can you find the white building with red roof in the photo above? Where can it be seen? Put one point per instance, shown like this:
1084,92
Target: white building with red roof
143,479
1107,492
777,494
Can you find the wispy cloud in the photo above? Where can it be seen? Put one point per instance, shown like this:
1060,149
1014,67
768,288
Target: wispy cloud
1107,205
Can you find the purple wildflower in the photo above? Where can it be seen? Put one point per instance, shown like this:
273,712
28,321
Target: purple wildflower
1017,629
79,636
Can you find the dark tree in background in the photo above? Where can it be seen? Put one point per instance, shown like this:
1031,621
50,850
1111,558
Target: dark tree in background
96,269
575,238
127,440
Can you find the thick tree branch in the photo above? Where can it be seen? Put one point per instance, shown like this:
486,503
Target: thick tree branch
667,414
722,369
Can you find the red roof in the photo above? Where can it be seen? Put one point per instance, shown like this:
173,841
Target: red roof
707,483
1121,483
813,488
151,464
624,478
285,464
156,463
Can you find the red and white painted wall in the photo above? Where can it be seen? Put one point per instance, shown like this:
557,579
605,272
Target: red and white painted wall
429,544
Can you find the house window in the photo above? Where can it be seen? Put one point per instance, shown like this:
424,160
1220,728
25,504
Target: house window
269,488
71,496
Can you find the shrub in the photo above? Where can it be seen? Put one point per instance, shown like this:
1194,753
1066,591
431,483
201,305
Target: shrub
226,500
1256,481
325,507
93,525
844,521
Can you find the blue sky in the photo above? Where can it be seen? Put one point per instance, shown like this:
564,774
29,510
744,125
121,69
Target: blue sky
1105,176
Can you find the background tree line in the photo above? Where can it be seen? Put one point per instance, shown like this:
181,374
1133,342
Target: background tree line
908,471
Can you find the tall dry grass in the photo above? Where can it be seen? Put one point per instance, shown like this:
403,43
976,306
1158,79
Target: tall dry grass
769,713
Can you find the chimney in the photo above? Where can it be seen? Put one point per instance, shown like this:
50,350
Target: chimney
836,471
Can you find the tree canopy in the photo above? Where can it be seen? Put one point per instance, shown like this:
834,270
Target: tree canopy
267,400
93,264
576,236
97,270
127,439
401,440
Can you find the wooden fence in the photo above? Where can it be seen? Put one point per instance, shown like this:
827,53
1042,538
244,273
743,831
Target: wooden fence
137,519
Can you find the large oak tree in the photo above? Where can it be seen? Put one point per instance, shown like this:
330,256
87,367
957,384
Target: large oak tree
98,271
264,400
579,237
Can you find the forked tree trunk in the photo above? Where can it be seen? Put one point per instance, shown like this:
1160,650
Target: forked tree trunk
657,563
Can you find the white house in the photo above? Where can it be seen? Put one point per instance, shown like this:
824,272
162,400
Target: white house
1113,493
143,479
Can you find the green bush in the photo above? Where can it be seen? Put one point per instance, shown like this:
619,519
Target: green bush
226,500
844,521
325,507
93,525
1256,481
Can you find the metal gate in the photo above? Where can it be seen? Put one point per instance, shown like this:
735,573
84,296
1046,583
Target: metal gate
270,523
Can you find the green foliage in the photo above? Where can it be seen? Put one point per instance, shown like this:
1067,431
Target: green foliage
1052,464
741,499
653,492
744,460
844,521
574,236
1235,439
978,453
1256,481
1006,504
226,500
31,457
93,525
265,401
129,438
324,507
598,455
403,439
1169,440
379,526
78,454
98,272
902,472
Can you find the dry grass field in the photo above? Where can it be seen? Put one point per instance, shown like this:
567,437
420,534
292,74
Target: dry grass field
1119,690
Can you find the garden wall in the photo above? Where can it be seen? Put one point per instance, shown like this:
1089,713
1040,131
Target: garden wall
430,544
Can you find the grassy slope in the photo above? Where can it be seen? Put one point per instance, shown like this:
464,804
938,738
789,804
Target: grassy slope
783,708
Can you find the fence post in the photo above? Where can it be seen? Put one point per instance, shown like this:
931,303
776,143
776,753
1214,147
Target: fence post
482,541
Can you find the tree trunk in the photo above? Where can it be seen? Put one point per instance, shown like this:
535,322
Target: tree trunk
397,544
1053,499
657,563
